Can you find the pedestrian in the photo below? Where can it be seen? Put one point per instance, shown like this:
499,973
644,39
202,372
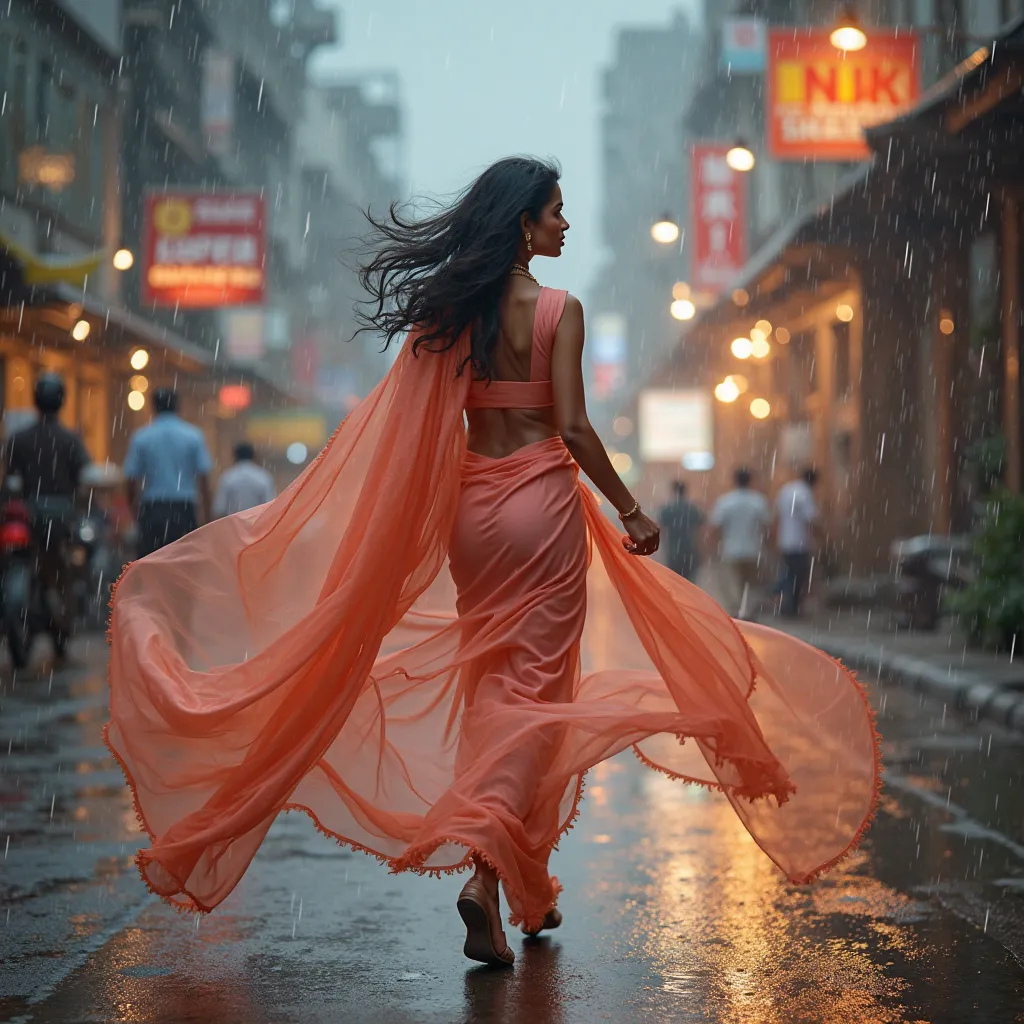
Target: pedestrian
740,518
681,520
396,645
798,517
167,472
48,460
245,485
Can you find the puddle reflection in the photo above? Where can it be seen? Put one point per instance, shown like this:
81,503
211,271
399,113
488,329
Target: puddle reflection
531,993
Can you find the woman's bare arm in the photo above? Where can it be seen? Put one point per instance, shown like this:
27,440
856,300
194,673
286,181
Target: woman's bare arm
579,435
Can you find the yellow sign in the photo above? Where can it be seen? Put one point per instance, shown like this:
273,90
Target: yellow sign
279,431
51,269
172,216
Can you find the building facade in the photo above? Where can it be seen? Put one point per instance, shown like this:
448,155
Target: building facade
110,103
890,308
59,203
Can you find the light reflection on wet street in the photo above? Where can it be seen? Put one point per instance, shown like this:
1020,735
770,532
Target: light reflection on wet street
672,913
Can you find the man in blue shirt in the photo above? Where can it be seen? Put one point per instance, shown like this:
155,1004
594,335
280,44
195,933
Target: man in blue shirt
167,469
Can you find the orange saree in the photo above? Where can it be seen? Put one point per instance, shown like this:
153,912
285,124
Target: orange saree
393,646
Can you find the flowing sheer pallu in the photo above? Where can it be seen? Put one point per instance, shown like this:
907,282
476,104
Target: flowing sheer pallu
394,646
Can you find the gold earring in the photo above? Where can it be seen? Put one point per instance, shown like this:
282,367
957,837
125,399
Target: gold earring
529,248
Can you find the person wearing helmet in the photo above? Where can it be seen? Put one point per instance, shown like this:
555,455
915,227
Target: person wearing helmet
48,460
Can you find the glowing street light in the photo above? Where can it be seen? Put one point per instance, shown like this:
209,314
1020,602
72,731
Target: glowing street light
683,309
622,462
123,259
760,409
727,391
759,347
741,382
140,359
81,330
665,231
740,157
848,35
844,312
680,290
136,401
742,348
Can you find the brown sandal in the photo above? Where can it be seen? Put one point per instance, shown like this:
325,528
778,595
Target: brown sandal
475,910
552,919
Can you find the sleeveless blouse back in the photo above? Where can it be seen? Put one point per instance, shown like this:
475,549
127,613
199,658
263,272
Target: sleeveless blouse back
535,393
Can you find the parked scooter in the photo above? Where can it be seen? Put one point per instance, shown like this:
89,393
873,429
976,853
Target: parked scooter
926,567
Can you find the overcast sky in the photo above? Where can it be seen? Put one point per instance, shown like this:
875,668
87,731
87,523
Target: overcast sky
483,79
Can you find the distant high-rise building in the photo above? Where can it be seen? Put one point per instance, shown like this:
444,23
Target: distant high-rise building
646,91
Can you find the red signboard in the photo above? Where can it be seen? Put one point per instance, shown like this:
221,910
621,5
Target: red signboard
203,250
718,219
820,99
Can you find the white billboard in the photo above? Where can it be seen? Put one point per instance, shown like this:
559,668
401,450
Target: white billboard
674,424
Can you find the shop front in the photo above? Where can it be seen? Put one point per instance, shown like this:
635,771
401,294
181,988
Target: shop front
112,361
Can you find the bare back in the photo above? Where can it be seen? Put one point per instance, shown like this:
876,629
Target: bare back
494,432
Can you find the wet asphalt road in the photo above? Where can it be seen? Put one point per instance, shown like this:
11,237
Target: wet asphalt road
672,913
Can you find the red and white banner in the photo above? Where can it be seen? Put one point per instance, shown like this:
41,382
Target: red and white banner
201,251
718,218
819,100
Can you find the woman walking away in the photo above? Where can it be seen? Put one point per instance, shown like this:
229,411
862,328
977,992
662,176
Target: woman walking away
393,644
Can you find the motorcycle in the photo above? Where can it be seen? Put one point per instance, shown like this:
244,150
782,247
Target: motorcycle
92,569
20,614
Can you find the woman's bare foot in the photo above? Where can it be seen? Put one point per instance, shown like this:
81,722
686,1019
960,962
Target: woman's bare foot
479,907
552,919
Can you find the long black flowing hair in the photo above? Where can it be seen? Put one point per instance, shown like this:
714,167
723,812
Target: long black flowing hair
445,274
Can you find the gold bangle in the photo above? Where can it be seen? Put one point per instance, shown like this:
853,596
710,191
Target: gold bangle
623,516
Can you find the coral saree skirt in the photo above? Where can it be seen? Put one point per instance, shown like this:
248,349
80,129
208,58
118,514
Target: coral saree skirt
394,647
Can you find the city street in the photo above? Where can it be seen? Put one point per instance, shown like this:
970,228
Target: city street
672,913
304,302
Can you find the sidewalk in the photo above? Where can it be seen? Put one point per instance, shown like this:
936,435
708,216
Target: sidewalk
982,684
977,683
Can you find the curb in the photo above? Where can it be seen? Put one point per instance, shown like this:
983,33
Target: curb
964,691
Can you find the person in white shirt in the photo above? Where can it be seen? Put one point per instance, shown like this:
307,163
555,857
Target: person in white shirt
244,485
798,515
740,518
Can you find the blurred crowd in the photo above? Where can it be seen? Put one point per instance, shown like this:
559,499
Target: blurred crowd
730,549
